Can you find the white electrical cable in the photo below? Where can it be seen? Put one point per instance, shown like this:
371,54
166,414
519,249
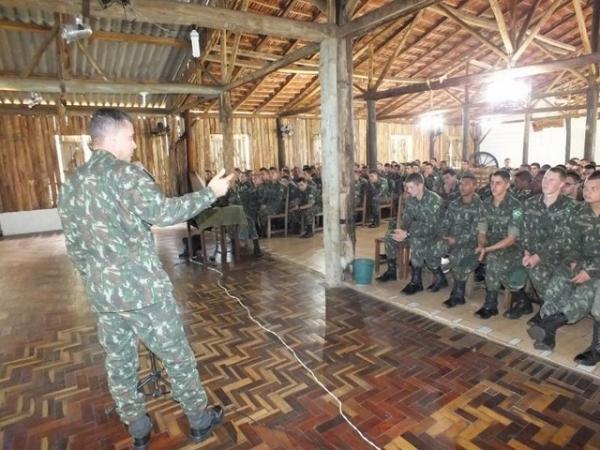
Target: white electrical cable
292,351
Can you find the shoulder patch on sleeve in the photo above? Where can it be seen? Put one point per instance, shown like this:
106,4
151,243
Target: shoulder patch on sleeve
517,213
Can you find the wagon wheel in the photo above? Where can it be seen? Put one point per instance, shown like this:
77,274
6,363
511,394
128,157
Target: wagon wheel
484,159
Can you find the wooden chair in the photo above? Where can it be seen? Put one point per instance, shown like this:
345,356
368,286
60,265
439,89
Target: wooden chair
402,257
283,215
318,224
387,206
362,211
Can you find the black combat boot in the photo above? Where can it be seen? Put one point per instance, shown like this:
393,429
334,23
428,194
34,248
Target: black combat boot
457,297
544,332
257,252
416,281
390,273
140,430
439,280
480,273
521,305
490,306
591,356
202,425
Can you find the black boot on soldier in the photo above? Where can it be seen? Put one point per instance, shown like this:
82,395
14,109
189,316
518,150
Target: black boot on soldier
140,430
257,251
544,332
490,306
390,273
591,356
416,281
439,280
203,424
457,297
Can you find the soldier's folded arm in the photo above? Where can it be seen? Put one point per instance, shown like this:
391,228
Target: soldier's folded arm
144,198
75,251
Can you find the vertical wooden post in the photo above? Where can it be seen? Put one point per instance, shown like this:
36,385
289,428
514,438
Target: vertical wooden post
371,134
465,124
568,139
592,92
526,136
226,119
280,145
190,146
432,139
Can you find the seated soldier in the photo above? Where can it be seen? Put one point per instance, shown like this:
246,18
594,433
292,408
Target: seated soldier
303,210
272,199
498,230
522,189
544,237
421,226
572,187
377,194
459,234
449,190
246,195
575,292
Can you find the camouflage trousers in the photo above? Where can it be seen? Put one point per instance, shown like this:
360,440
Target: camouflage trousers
504,268
305,217
251,230
391,246
159,327
574,300
463,259
421,251
373,206
263,215
541,275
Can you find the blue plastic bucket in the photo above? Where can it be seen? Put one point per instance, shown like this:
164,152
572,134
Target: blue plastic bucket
362,270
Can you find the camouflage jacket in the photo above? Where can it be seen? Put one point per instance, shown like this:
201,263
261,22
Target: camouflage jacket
433,183
449,197
586,239
107,208
379,189
422,218
546,231
500,222
460,221
245,194
522,195
306,197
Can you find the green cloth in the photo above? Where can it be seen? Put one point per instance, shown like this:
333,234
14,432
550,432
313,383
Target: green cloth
225,216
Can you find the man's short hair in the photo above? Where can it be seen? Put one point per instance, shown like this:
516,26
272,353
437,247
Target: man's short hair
546,167
373,171
574,175
562,173
285,177
562,166
416,178
469,176
594,176
450,172
502,174
263,169
301,180
589,166
105,120
536,165
524,175
273,168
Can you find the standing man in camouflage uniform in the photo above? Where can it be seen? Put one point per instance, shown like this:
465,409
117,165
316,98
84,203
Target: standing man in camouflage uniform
498,230
573,295
545,237
459,233
107,207
420,225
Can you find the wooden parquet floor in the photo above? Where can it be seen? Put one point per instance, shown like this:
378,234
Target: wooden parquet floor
406,382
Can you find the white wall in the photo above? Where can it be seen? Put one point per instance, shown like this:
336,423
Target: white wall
25,222
545,147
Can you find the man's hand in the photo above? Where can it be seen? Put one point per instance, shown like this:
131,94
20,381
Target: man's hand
451,240
581,277
399,235
220,184
480,250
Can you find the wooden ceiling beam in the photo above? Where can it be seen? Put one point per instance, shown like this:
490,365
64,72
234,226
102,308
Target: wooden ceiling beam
523,71
502,26
177,13
76,110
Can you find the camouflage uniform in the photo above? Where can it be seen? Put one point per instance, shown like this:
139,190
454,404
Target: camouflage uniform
503,267
432,182
107,207
307,215
246,195
523,195
576,301
272,201
484,192
449,197
460,222
360,187
546,231
422,218
377,193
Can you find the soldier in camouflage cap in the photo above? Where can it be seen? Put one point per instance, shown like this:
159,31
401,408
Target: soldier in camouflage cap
421,226
498,230
107,207
459,232
571,296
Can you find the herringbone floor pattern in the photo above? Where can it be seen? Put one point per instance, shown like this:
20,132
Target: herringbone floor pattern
407,382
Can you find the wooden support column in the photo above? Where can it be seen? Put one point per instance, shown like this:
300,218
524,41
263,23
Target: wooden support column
338,156
568,139
432,138
280,145
526,137
371,134
465,119
226,120
190,147
591,120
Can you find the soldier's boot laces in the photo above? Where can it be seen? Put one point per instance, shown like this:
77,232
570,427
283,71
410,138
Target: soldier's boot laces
536,319
416,281
591,356
210,419
521,306
490,306
140,430
457,297
439,280
390,273
544,333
